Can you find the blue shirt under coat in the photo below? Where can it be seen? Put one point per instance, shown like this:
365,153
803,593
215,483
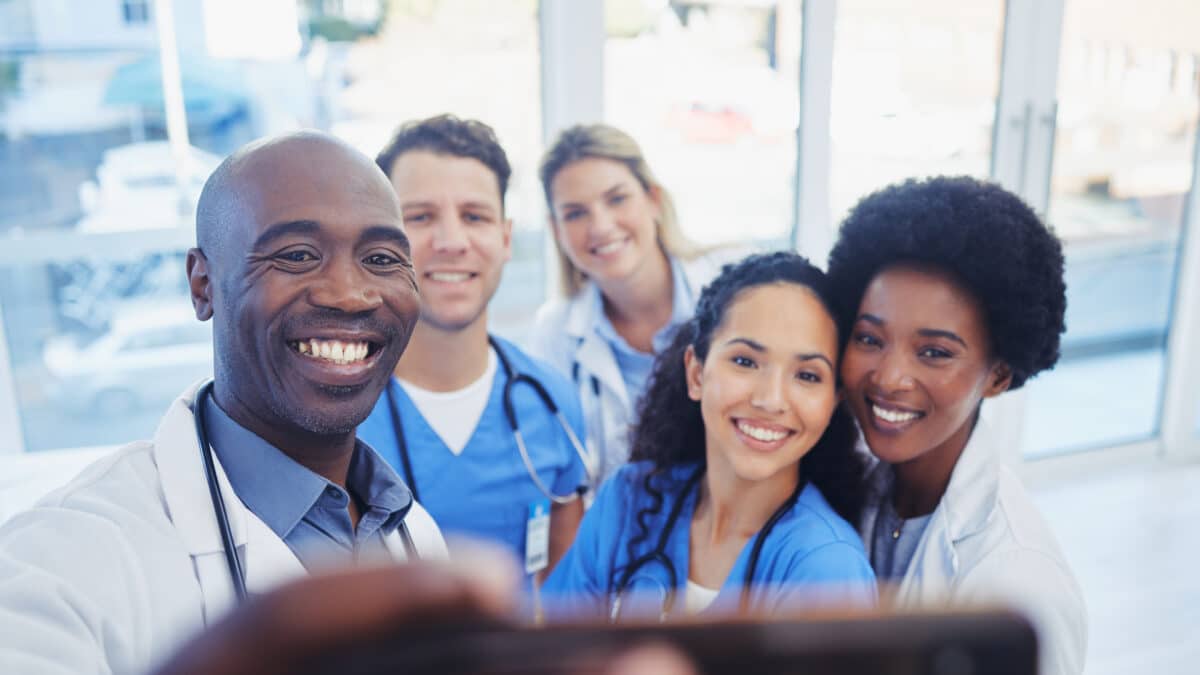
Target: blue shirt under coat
811,558
486,491
307,511
635,366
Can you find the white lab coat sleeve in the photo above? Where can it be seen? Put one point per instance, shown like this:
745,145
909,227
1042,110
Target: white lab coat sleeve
1036,584
72,595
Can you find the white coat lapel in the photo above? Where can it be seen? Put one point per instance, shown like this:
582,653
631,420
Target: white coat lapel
267,559
594,357
963,511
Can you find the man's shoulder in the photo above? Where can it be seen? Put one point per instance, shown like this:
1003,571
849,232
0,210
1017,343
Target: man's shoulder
120,492
128,473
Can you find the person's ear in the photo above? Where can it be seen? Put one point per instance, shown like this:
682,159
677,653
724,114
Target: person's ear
506,226
200,284
999,380
694,367
655,193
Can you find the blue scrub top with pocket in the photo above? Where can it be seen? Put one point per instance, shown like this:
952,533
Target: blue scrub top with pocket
812,557
486,491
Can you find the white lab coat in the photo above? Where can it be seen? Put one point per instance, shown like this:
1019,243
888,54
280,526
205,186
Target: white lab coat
563,335
110,573
987,544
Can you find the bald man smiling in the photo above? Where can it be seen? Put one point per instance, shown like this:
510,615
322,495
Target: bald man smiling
304,268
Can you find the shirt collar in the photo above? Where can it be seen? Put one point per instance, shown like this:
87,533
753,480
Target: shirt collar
281,491
682,303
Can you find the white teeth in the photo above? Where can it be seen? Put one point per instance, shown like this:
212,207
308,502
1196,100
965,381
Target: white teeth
334,350
609,247
894,416
450,277
760,434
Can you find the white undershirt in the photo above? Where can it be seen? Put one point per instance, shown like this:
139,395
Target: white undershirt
453,415
697,598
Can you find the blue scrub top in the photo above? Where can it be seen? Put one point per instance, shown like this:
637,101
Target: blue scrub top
812,557
486,491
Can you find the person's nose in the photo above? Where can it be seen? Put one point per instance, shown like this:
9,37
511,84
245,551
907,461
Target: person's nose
450,235
602,223
345,286
893,372
768,395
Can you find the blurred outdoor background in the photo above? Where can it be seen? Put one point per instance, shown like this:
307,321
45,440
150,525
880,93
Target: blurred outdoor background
96,211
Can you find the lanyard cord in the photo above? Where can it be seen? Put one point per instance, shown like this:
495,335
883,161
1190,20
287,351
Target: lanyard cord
401,442
761,538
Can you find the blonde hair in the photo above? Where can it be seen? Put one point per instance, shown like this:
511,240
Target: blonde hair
606,142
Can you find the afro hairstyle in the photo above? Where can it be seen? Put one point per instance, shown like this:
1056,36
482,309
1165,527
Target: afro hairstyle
984,236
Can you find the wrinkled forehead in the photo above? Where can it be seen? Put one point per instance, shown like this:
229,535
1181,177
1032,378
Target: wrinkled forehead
311,180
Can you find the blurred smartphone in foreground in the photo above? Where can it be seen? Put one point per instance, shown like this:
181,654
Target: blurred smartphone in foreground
969,643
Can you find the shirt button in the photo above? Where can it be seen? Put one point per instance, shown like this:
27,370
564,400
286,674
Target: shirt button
334,494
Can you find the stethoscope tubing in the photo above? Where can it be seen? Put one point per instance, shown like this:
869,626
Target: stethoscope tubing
513,378
237,573
659,553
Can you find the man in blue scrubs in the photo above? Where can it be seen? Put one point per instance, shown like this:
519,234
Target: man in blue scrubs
441,421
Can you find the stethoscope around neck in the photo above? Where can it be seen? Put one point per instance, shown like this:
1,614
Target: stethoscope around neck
512,379
659,553
237,573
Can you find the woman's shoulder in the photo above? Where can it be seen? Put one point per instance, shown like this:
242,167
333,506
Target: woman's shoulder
1016,533
629,481
814,522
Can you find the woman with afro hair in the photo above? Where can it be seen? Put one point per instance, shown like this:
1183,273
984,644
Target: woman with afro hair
743,480
951,291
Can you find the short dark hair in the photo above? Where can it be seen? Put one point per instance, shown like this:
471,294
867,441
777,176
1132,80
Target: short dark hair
449,135
986,237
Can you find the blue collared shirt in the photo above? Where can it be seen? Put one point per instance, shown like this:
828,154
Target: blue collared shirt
635,366
303,508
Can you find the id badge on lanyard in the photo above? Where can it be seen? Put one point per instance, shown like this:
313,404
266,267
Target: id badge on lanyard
537,536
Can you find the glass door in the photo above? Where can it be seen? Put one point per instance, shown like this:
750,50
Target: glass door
1127,98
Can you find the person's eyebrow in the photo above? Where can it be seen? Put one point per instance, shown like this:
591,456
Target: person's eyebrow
871,319
607,193
923,332
615,189
801,356
937,332
291,227
387,233
481,205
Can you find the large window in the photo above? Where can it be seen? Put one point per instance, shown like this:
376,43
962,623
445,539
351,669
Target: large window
96,212
710,91
914,92
1128,93
476,60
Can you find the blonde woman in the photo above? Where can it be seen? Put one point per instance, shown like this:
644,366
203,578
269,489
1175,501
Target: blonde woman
629,278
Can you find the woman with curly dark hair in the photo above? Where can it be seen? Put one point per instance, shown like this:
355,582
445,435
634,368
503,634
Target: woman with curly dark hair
743,478
952,291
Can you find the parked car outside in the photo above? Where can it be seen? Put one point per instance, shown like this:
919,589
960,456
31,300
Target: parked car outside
149,354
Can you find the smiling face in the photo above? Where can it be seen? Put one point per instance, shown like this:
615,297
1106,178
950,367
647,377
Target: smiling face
604,219
768,386
918,365
454,215
311,290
